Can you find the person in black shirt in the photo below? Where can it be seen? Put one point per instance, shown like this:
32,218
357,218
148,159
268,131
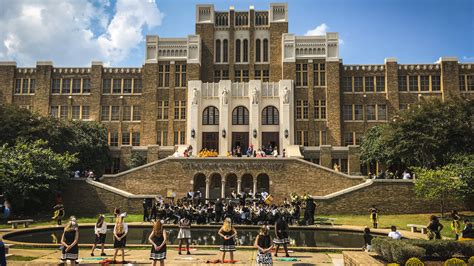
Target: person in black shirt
434,228
281,235
467,232
263,243
218,208
367,239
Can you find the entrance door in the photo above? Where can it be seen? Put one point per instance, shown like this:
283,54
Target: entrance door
271,139
210,140
240,139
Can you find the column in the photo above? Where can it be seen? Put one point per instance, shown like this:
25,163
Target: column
391,83
207,187
286,110
353,160
223,188
325,158
149,103
125,157
44,70
239,184
7,81
152,153
449,77
254,185
333,101
193,113
225,116
254,112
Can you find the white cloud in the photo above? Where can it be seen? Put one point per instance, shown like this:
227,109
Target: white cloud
74,32
319,30
470,58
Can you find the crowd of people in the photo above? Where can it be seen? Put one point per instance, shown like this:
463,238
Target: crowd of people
387,174
237,151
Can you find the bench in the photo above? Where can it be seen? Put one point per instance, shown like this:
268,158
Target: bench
325,220
15,223
418,228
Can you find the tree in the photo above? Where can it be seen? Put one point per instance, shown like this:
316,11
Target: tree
372,147
137,160
31,173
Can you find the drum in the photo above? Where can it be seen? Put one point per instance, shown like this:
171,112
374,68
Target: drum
268,200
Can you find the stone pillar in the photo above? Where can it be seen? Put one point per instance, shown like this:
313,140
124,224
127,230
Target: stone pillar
149,104
325,158
225,116
353,160
391,84
7,81
254,113
333,102
449,77
125,157
223,189
254,186
193,121
44,70
239,184
96,90
207,187
286,113
153,153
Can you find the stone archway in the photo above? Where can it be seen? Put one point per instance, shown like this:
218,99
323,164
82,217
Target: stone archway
230,185
263,183
215,186
247,183
199,183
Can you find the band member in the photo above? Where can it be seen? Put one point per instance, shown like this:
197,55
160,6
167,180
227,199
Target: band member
158,240
100,230
59,213
263,243
227,232
281,235
120,236
184,233
374,216
69,240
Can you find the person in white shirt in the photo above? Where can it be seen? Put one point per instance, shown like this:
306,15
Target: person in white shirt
100,230
275,152
406,175
394,234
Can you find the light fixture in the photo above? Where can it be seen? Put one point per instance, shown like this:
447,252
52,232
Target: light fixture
254,133
286,133
193,133
223,133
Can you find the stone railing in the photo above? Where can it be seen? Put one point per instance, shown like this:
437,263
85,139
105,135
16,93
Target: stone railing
419,67
26,70
172,48
364,67
270,89
122,70
240,89
210,90
75,70
310,46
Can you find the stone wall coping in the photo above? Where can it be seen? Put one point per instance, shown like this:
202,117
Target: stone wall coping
117,191
44,63
7,63
329,169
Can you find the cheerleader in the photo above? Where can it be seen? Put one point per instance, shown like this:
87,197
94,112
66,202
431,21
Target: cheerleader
263,243
227,232
281,235
456,223
120,236
69,240
374,216
100,230
158,239
59,213
184,233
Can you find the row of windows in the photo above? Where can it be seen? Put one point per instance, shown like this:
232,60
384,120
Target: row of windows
363,84
121,86
352,138
301,137
164,75
112,113
302,109
25,86
419,83
373,112
466,82
70,86
179,110
222,19
319,75
179,138
242,75
126,137
76,112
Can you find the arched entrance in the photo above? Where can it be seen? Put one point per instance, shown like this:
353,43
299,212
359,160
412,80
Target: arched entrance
215,186
230,184
199,183
263,183
247,183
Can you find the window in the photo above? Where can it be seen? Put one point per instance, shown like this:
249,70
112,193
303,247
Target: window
301,75
210,116
105,113
237,50
240,116
435,83
319,109
225,58
265,50
179,137
403,106
180,110
126,113
114,113
270,116
135,138
413,83
369,84
221,75
127,86
319,75
348,138
371,112
321,138
76,86
24,87
246,50
54,111
358,84
86,86
218,51
137,85
136,113
347,112
55,86
76,112
380,83
117,86
125,138
162,110
358,112
17,86
424,83
85,113
402,83
66,86
162,138
358,138
263,75
106,85
347,84
163,75
301,137
462,82
63,112
241,75
113,138
470,82
301,109
381,112
32,86
180,75
257,50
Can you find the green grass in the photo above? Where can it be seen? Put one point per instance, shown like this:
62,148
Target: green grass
20,258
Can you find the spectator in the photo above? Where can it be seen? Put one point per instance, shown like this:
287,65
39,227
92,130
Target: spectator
394,234
434,228
406,175
367,239
467,232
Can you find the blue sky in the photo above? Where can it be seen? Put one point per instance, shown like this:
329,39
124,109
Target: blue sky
418,31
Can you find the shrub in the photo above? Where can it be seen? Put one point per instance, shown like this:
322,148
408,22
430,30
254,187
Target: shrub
444,249
454,262
402,251
414,262
382,247
470,262
467,249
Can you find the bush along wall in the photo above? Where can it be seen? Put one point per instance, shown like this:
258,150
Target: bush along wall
400,251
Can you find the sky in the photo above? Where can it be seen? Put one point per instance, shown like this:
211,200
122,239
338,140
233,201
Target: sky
77,32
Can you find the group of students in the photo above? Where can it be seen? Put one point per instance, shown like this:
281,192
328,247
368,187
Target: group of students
159,237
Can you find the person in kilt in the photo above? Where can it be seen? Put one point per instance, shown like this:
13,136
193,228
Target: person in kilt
281,235
227,232
69,240
158,239
263,243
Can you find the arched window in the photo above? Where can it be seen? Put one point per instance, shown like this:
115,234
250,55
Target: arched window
270,116
210,116
265,50
240,116
226,51
237,50
218,51
246,50
257,50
